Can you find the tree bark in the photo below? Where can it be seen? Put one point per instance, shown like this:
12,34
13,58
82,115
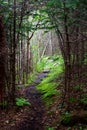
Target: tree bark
2,60
13,55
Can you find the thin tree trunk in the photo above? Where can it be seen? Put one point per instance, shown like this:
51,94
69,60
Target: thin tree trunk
68,60
2,61
13,56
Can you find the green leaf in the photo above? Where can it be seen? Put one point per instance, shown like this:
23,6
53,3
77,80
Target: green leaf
22,102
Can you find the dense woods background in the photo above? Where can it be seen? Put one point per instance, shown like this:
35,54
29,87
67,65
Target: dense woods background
30,30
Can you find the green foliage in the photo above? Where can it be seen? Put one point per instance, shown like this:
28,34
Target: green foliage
22,102
31,78
48,89
50,128
41,64
78,88
69,128
48,86
4,104
66,118
80,128
83,99
72,99
50,62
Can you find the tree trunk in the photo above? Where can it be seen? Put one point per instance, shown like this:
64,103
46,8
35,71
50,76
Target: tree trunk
13,55
2,60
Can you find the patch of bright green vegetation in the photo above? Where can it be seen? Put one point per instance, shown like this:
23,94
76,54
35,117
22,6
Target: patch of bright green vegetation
50,128
31,78
49,85
49,62
48,91
22,102
41,64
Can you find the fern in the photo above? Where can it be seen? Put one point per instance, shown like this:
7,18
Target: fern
48,86
21,102
50,62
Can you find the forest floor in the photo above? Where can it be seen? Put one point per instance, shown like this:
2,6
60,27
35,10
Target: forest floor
28,117
35,116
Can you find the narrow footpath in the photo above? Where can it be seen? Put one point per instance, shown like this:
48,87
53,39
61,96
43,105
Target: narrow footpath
35,121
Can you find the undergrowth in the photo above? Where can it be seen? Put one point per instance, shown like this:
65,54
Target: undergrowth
31,78
49,62
22,102
48,86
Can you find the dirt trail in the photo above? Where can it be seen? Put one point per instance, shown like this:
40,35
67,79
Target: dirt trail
35,121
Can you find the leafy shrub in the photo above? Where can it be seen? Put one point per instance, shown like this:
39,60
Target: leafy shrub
22,102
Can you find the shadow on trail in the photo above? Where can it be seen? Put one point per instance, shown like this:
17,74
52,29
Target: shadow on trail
35,121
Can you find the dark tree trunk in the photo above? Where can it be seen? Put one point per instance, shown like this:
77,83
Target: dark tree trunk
68,57
2,60
13,55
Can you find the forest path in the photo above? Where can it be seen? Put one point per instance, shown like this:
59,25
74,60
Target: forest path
35,121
